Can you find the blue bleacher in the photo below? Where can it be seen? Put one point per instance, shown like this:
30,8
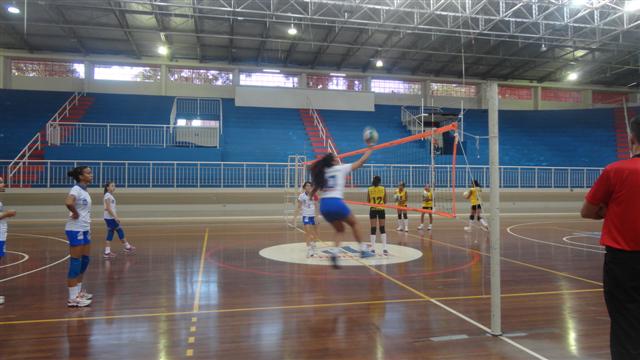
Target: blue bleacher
23,114
129,109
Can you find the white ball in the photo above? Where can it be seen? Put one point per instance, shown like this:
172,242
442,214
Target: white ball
466,194
370,136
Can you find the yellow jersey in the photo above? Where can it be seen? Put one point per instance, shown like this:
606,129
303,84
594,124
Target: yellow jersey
376,196
474,195
401,197
427,199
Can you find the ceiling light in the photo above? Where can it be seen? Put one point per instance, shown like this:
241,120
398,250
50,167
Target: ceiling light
632,5
163,50
379,63
572,76
337,74
12,9
271,70
292,30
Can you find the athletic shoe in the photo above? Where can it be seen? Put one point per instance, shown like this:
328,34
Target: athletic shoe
467,228
421,227
406,229
334,261
385,252
366,254
130,250
429,228
399,228
85,295
78,302
1,300
108,256
310,252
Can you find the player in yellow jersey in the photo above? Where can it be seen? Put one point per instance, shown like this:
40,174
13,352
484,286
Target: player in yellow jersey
400,196
377,195
427,204
473,194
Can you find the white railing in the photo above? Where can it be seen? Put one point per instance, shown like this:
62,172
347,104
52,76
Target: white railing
326,140
163,174
202,108
133,135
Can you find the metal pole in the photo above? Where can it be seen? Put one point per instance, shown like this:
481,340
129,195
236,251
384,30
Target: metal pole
494,221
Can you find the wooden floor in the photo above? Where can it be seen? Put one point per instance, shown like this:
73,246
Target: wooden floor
201,290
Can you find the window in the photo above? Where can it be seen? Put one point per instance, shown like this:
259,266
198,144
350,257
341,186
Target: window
396,87
51,69
269,79
457,90
334,82
127,73
197,123
608,97
201,76
562,95
515,93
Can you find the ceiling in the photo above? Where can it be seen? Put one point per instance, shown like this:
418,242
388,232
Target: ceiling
535,40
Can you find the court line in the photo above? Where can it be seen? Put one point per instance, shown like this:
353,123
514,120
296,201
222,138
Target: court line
450,310
509,230
566,239
40,268
196,301
25,257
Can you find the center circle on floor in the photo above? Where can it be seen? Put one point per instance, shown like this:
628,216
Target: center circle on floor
296,253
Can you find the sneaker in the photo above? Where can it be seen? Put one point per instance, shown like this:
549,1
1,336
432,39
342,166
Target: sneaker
406,229
108,256
1,300
385,252
399,228
334,261
78,302
130,250
85,295
429,228
467,228
421,227
366,254
310,252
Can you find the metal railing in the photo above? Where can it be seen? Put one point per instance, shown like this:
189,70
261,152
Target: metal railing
133,135
326,140
163,174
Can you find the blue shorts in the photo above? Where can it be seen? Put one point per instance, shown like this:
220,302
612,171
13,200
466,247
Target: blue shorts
308,220
334,209
77,238
112,224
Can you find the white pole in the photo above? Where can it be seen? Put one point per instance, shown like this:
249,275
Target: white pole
494,221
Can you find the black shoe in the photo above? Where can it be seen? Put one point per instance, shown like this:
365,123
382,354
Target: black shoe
334,261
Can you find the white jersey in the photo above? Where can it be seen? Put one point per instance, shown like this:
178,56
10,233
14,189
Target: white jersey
112,201
83,206
308,207
3,225
335,177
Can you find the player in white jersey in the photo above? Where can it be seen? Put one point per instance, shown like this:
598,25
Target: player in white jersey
306,205
113,222
330,177
4,214
78,231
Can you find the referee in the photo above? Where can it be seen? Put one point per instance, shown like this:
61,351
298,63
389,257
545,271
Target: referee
615,197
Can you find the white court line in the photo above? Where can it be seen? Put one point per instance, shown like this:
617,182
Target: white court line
510,228
25,257
566,239
40,268
463,317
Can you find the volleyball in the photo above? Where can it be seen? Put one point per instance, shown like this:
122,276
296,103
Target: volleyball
466,194
370,135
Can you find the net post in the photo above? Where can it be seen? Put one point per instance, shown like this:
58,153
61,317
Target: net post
494,221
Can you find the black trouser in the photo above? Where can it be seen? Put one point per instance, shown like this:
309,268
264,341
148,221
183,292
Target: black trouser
621,278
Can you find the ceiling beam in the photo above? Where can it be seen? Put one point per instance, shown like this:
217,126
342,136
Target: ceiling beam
197,29
263,43
18,36
124,26
157,7
59,17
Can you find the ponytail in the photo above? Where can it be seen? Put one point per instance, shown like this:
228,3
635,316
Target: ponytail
76,172
318,168
376,181
106,186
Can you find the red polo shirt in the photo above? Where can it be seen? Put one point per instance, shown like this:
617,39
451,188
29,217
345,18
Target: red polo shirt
619,189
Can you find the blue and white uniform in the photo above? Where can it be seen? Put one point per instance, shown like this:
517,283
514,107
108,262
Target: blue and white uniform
78,230
111,222
308,209
3,232
332,206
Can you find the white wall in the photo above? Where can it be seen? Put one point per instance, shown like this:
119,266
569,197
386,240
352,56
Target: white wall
181,89
47,84
272,97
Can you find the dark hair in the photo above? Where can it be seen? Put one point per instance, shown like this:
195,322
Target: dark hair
475,183
318,167
401,183
305,184
76,172
106,185
376,181
634,126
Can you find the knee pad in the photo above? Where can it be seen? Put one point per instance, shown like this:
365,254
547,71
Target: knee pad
399,215
479,218
373,230
109,234
75,265
120,233
382,229
471,217
404,214
84,263
2,244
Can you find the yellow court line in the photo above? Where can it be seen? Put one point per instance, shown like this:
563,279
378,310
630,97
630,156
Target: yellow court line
541,293
196,302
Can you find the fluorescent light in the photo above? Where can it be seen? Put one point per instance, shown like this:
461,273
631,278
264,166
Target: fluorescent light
379,63
181,122
572,76
163,50
630,85
632,5
271,70
12,9
196,122
292,31
337,74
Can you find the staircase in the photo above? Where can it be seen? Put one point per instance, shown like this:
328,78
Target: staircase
25,170
321,140
622,135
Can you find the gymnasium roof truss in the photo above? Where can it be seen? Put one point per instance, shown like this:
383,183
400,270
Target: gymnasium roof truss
537,40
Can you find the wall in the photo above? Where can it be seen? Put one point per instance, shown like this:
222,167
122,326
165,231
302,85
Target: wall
272,97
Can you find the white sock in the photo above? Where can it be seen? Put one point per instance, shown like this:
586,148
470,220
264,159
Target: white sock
73,292
107,249
372,238
399,222
470,223
383,237
79,286
406,223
